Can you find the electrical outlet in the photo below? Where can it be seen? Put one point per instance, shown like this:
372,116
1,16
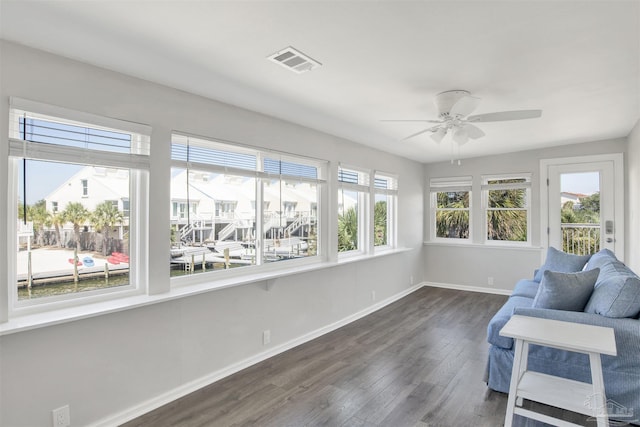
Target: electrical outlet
373,295
266,337
490,281
61,417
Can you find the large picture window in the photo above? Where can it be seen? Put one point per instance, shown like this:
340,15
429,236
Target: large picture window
75,183
451,208
234,206
506,201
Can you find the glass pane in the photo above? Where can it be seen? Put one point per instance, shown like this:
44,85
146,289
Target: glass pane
347,220
580,212
76,236
290,220
212,221
84,137
508,225
516,198
453,199
452,224
380,220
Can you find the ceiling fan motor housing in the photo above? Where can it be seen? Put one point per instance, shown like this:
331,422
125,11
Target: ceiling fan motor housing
445,100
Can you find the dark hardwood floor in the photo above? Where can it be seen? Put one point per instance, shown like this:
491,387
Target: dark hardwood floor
417,362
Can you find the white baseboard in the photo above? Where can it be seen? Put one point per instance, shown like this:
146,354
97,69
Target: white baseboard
469,288
183,390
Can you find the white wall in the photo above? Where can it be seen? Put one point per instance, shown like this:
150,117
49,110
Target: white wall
472,265
633,200
107,364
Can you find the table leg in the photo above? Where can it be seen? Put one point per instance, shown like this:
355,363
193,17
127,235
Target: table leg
515,378
599,397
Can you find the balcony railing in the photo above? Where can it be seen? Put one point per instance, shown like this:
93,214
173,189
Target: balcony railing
580,239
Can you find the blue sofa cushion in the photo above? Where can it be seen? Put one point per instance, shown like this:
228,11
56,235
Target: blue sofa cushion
501,318
616,293
565,291
561,261
526,288
600,258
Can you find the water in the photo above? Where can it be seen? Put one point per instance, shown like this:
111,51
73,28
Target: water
64,288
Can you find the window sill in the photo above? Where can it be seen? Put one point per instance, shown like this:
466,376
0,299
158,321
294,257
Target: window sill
506,246
28,322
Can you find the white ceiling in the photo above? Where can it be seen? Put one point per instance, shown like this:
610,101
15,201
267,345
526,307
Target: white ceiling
578,61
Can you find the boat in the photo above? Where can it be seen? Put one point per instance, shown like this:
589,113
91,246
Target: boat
88,261
78,262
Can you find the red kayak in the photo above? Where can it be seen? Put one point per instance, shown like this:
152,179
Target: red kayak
77,262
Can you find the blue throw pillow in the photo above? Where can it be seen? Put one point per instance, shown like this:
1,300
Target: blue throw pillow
562,262
616,293
600,258
565,291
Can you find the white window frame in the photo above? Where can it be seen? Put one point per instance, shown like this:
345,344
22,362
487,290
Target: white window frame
444,185
391,191
261,177
137,162
486,187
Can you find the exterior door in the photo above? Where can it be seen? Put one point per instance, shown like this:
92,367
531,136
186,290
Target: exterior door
585,205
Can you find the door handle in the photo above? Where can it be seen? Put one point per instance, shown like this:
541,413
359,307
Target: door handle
610,240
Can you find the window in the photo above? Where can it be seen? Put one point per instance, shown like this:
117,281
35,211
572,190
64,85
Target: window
353,198
506,202
451,208
386,194
217,190
70,241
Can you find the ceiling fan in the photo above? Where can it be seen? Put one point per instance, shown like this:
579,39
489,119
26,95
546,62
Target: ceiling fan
454,107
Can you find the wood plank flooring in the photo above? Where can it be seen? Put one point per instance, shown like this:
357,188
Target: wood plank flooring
417,362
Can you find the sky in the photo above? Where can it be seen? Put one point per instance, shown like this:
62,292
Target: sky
582,183
43,178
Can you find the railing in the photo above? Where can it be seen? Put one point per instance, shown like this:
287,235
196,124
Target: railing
580,239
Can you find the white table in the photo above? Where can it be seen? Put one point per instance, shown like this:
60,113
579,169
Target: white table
575,396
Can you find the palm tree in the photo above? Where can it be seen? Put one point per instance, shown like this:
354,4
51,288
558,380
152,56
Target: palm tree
509,220
380,223
40,217
348,230
57,220
104,218
76,214
452,216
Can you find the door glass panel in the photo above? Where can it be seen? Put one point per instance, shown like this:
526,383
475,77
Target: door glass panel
580,212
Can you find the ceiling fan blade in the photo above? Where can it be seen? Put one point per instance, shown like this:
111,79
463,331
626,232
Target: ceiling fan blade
464,106
502,116
416,134
473,131
421,121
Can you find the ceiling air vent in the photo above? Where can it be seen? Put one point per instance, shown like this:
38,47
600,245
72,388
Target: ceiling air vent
294,60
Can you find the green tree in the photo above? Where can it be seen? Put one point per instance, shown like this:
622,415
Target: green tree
380,223
348,230
57,221
40,217
76,214
452,216
106,216
507,216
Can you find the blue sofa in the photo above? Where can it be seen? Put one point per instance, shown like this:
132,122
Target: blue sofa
614,301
